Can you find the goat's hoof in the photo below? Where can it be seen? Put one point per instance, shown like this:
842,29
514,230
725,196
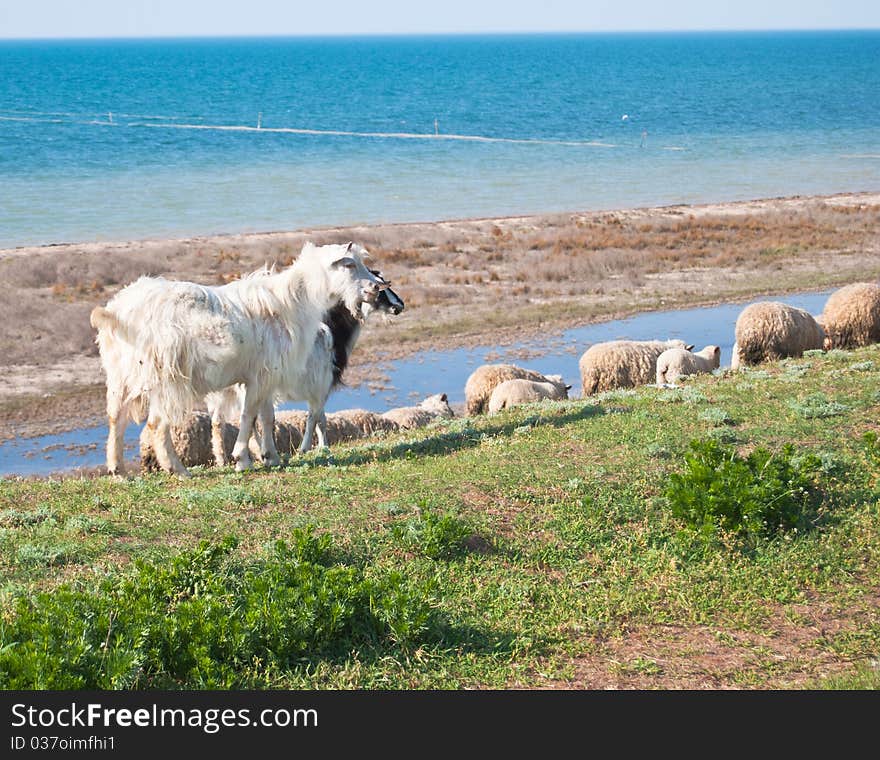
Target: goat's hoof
242,466
185,475
274,461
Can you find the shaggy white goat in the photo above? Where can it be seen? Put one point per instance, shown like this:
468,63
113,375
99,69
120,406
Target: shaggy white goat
165,345
327,361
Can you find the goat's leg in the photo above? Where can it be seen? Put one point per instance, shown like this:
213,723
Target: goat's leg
166,456
117,419
268,450
249,409
321,430
315,423
217,447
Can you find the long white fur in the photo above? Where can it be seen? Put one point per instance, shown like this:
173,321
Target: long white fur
312,385
165,344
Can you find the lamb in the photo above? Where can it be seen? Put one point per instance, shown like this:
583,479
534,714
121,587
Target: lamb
851,316
674,363
165,345
322,373
519,391
409,417
622,363
770,330
482,382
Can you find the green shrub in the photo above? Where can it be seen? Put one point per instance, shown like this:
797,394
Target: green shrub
205,619
750,497
435,536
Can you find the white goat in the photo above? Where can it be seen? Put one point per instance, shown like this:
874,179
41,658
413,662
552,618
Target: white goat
165,345
328,359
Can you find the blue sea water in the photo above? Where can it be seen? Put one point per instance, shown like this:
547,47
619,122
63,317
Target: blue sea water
127,139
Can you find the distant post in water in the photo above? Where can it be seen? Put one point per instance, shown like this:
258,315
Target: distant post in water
260,120
436,127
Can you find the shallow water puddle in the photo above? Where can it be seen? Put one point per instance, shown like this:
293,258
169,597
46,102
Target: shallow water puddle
433,372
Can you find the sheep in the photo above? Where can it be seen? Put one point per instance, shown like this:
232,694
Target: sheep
322,373
519,391
674,363
851,316
192,441
164,345
622,363
482,382
770,330
345,425
409,417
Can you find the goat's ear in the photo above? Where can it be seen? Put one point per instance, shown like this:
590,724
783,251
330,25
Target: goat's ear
717,349
690,347
345,262
568,387
443,397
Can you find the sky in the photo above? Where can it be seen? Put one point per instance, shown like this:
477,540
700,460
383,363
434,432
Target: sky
169,18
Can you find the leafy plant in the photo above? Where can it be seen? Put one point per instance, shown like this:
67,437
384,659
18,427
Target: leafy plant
438,536
208,620
751,497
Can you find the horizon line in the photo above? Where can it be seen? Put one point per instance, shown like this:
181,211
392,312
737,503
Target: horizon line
482,33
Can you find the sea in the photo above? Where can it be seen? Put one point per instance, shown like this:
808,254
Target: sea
107,140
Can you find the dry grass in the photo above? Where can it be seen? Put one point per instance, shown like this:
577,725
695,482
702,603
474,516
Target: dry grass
458,278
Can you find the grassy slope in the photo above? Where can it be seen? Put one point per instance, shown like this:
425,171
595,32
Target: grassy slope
576,573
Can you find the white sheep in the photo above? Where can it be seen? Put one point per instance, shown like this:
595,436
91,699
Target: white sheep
770,330
165,345
674,363
519,391
483,380
851,316
409,417
622,363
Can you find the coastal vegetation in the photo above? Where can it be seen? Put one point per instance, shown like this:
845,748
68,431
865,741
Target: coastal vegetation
723,534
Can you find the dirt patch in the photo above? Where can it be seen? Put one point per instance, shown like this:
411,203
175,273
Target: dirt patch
791,652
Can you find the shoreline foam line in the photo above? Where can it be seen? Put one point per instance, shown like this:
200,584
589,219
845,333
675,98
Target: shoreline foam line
385,135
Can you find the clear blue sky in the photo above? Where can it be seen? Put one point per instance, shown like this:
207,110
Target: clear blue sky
152,18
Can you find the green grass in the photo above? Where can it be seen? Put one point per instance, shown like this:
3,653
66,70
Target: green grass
536,547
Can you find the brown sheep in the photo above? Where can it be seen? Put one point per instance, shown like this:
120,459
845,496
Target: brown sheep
851,317
483,381
770,330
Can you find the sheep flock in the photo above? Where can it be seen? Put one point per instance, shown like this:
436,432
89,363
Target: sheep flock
299,328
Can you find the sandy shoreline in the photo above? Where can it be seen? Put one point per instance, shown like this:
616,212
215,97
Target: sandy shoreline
465,282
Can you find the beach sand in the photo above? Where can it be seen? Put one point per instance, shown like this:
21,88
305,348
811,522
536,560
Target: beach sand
465,282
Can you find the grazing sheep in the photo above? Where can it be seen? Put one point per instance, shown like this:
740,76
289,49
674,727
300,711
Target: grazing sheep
322,373
192,441
851,316
519,391
483,380
622,363
674,363
345,425
165,345
409,417
770,330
